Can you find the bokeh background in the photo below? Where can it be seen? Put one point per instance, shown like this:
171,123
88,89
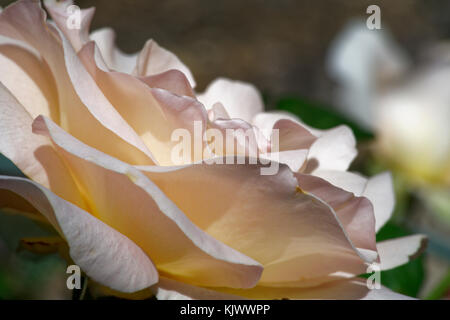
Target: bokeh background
283,47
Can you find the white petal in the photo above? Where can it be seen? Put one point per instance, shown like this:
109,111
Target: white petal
396,252
335,149
241,100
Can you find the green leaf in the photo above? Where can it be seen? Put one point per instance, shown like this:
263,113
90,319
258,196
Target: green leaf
319,116
8,168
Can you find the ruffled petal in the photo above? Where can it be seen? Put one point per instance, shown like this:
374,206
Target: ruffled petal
241,100
396,252
60,13
106,255
355,213
28,151
378,189
296,237
84,111
28,78
334,149
153,113
126,200
115,59
154,59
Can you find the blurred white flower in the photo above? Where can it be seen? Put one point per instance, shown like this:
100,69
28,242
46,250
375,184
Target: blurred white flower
408,107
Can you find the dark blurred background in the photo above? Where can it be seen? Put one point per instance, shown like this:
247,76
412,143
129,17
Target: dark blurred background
280,46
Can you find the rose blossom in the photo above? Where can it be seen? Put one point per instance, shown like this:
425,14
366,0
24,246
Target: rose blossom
91,128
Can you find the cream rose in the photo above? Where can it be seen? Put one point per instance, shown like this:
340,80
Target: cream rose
91,128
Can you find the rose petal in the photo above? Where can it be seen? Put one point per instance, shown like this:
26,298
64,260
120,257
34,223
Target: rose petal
27,150
114,58
153,113
218,111
355,213
126,200
294,236
294,159
241,100
378,189
103,253
28,78
266,120
335,149
293,136
96,102
60,15
173,80
154,59
396,252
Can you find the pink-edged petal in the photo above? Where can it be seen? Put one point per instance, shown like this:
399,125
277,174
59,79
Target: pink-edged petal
153,113
296,237
266,120
27,150
154,59
125,199
378,189
173,81
293,136
241,100
355,213
114,58
396,252
106,255
334,149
